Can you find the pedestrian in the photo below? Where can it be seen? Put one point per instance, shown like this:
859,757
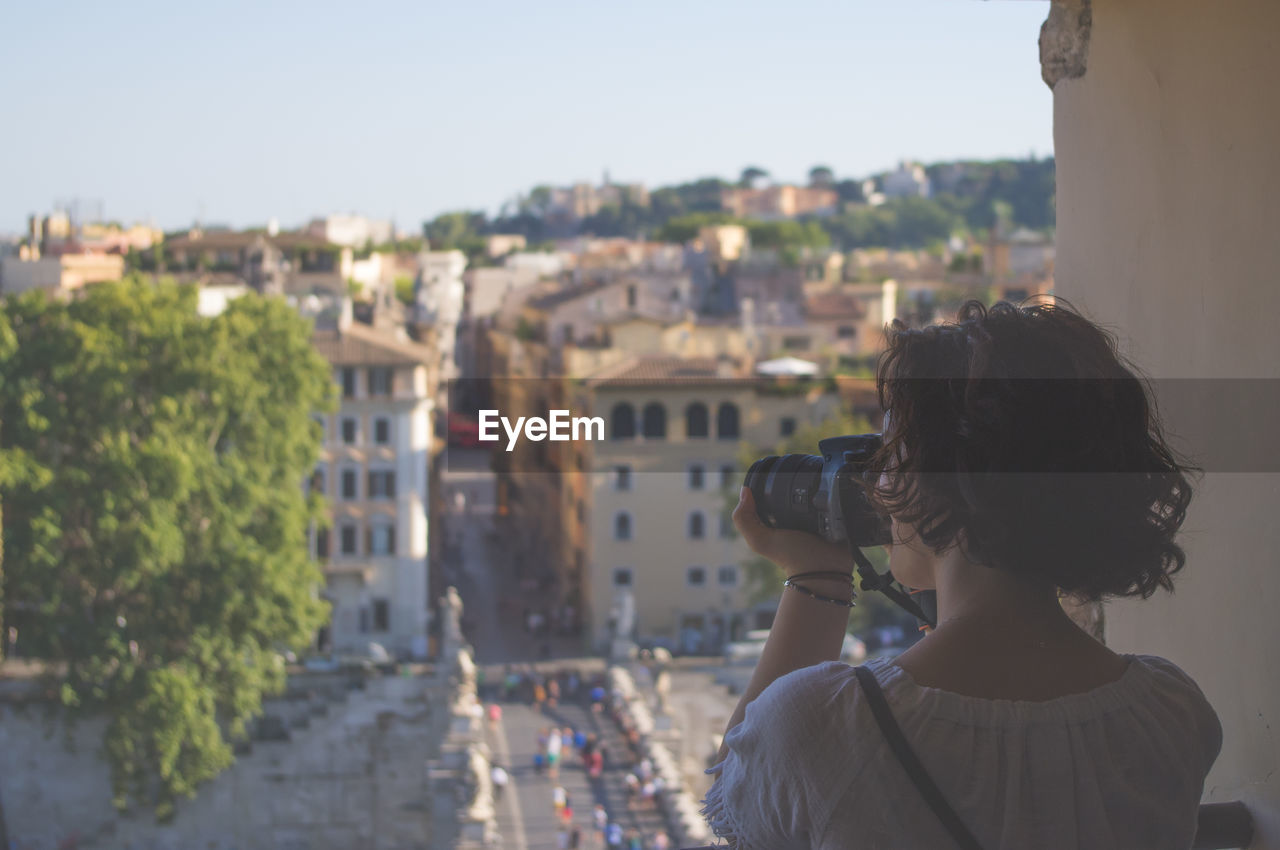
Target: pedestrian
580,741
613,835
633,839
597,765
562,839
500,779
646,769
600,819
539,696
495,715
559,798
554,744
633,789
553,693
567,814
647,790
539,761
660,841
575,838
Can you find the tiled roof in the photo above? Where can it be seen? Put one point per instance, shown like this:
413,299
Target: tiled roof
833,305
361,345
659,369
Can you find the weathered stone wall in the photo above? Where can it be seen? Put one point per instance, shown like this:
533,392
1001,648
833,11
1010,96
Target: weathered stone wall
353,774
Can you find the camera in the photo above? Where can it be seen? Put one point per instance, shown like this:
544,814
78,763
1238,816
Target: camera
821,494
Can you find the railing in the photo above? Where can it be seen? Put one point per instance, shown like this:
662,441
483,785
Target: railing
1222,826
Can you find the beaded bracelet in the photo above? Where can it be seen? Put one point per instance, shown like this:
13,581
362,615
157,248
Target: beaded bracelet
825,574
818,596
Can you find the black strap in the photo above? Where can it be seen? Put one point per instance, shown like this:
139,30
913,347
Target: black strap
907,758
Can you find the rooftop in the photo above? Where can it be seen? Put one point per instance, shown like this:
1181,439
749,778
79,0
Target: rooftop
361,345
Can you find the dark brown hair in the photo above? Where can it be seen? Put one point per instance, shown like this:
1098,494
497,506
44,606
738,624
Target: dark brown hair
1020,434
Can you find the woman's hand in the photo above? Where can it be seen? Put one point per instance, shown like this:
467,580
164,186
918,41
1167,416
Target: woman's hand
793,551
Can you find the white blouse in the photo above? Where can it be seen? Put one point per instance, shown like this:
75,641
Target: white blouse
1120,766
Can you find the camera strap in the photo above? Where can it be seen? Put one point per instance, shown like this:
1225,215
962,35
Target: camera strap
907,758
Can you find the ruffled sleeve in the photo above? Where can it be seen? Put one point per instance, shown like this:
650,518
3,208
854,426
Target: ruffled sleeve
787,763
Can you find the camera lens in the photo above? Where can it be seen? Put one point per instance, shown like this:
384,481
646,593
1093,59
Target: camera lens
784,488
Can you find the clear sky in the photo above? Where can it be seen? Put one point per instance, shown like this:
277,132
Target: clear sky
236,112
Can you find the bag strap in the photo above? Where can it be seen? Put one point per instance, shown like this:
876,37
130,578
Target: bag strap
907,758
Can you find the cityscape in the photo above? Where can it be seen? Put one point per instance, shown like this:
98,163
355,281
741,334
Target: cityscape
342,529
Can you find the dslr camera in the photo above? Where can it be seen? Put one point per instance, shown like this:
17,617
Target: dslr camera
822,494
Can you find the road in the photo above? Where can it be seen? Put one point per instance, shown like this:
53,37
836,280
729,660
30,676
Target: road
493,604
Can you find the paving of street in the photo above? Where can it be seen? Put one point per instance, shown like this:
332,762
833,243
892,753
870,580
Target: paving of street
493,605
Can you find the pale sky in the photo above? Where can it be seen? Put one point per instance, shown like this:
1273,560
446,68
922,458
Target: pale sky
237,112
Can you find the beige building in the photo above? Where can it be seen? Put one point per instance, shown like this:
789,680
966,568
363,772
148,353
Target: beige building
774,202
1165,132
58,275
659,486
373,472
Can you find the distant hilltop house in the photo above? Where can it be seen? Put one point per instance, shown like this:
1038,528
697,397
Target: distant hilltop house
353,231
779,202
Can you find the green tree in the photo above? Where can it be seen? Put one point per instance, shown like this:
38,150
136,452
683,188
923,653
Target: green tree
686,227
750,175
822,177
404,288
154,520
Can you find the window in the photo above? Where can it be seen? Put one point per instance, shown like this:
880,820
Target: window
786,426
622,479
348,382
847,332
726,526
622,421
622,577
349,430
323,422
349,538
795,343
381,615
322,542
696,420
696,475
727,476
380,381
317,481
382,484
622,526
727,421
349,484
655,421
697,525
382,430
727,576
696,576
382,539
631,297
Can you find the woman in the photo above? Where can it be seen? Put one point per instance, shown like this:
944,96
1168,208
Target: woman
1022,462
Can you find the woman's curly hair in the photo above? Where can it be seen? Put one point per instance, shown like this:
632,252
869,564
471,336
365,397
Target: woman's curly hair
1020,434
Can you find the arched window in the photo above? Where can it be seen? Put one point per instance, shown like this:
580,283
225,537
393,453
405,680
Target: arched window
696,420
655,421
622,422
697,525
727,421
622,526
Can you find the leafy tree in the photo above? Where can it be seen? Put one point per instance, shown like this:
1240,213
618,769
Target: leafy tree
686,227
750,175
822,177
154,520
404,288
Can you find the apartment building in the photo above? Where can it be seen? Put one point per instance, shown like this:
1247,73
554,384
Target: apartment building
373,472
660,489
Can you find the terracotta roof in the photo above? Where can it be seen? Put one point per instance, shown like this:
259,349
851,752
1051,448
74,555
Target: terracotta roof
652,369
554,299
361,345
833,305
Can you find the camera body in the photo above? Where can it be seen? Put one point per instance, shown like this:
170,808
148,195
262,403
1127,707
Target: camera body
821,494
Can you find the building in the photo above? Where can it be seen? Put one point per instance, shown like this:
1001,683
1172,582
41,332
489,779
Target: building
373,472
660,488
352,231
60,275
439,295
780,201
282,263
908,180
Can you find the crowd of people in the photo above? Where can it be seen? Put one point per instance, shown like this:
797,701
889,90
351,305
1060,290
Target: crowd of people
556,747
